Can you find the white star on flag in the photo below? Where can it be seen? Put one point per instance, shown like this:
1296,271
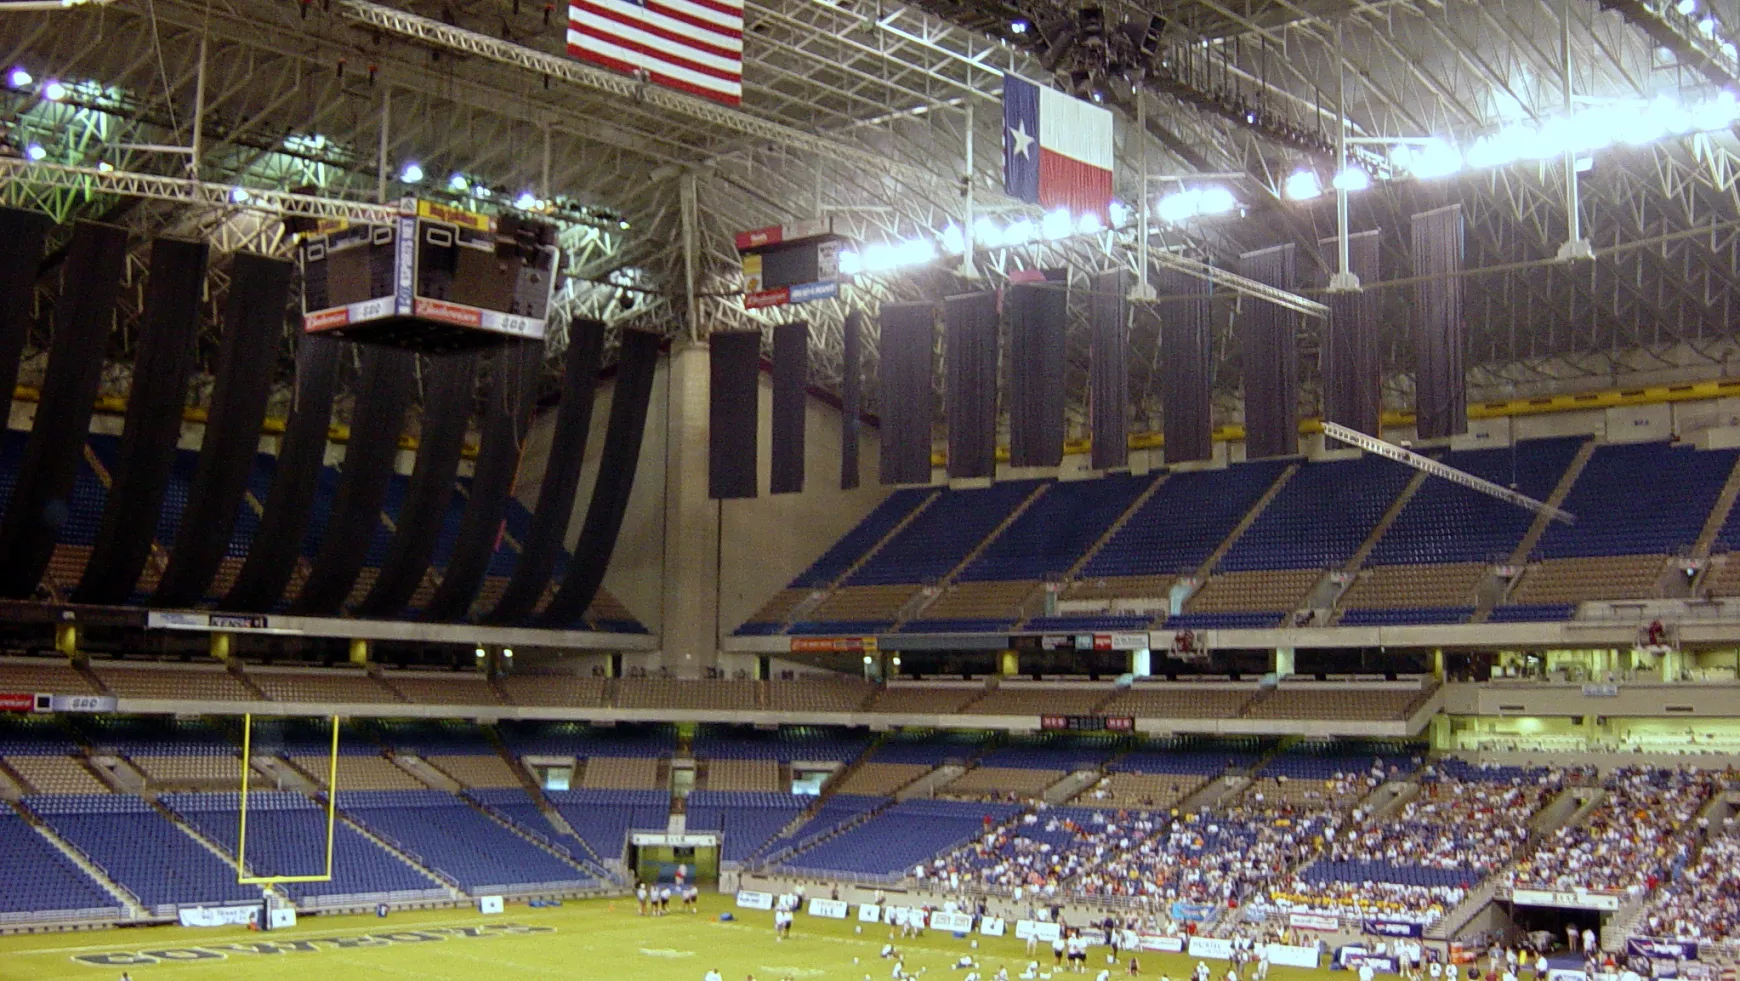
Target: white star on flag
1023,142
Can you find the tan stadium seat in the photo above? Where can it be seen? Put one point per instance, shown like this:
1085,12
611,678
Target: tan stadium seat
1280,590
1387,587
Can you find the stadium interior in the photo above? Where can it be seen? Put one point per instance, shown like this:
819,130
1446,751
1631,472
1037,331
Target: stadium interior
458,462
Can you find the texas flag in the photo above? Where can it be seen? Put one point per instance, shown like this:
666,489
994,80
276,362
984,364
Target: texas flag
1057,150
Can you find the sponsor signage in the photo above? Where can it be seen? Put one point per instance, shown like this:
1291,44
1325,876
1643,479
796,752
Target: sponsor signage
405,261
868,913
1089,723
1193,912
952,922
285,918
81,703
1211,948
832,645
693,839
1566,899
993,926
831,909
215,916
1093,642
1039,930
1165,945
17,702
1386,927
749,899
1130,642
489,904
1600,691
301,945
1290,956
230,621
257,623
1672,950
1313,921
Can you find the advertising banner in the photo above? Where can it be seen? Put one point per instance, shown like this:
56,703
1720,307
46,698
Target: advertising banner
1038,929
1165,945
215,916
1211,948
1291,956
1313,921
1675,950
748,899
1574,899
1193,912
952,922
993,926
868,913
830,909
489,904
1386,927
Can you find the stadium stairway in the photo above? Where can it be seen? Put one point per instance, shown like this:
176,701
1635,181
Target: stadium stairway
390,847
1718,514
1099,543
126,900
1496,588
208,844
916,612
819,592
1071,786
930,783
1244,524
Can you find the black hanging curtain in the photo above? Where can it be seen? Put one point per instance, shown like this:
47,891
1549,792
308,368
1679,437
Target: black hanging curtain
851,397
971,398
1440,339
1352,374
163,360
253,318
791,366
617,466
1037,316
733,413
21,239
1268,337
449,385
284,517
555,510
905,393
1108,372
1185,366
385,386
513,389
42,496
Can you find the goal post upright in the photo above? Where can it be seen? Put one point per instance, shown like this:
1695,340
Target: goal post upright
242,877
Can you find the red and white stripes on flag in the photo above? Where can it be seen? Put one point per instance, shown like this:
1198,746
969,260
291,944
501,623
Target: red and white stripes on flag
694,46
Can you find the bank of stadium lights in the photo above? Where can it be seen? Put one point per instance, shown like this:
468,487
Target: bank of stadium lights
1302,185
1195,202
53,91
412,173
20,78
1351,179
35,151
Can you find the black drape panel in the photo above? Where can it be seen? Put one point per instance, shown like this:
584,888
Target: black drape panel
41,497
253,318
733,413
448,387
1037,315
851,397
301,453
1268,336
1440,390
1352,374
905,392
971,399
385,387
513,388
791,366
549,529
1108,372
153,425
617,466
21,238
1185,366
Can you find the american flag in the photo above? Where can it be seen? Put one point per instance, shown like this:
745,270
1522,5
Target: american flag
695,46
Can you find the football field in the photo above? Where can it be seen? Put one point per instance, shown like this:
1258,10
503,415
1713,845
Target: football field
602,939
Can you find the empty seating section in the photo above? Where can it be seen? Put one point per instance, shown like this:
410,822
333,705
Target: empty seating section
1597,577
1092,621
1639,499
446,834
861,608
476,771
433,738
1160,791
942,535
51,675
1200,762
1267,590
40,878
578,739
202,771
1057,529
835,812
564,690
287,836
787,743
607,613
1723,577
851,547
1523,613
142,851
997,781
818,695
1183,701
746,821
1019,699
1449,523
56,775
880,779
671,693
996,605
1394,587
1120,587
934,749
203,683
778,609
903,835
358,773
1320,517
728,774
1406,616
320,686
34,735
621,773
603,818
445,688
908,699
1302,702
1183,522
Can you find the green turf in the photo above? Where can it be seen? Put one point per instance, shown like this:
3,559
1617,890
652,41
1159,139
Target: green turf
602,939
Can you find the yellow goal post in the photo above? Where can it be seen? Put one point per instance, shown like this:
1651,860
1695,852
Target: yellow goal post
242,876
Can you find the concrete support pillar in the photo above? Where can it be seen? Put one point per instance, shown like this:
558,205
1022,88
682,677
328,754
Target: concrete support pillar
1438,663
1283,662
1008,664
66,639
1142,663
221,644
359,651
1438,731
690,624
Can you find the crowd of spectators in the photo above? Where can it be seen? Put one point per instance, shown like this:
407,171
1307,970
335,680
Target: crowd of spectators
1703,901
1631,843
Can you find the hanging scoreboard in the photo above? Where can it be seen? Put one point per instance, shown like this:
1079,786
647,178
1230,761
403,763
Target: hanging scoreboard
795,263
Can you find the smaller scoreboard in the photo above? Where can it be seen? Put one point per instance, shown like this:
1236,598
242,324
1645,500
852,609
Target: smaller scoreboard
795,263
438,278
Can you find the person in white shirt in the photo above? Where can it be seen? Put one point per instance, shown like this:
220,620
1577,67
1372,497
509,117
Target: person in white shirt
1057,949
1435,970
1365,971
713,975
1263,964
1509,975
1541,967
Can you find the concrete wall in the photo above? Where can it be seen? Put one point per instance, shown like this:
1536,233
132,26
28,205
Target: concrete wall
1702,701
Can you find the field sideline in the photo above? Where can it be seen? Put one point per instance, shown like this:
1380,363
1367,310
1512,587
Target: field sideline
601,939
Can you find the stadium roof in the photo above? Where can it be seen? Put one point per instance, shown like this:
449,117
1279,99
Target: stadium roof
862,111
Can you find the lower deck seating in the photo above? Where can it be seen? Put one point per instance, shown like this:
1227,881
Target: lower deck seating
211,772
1120,587
142,851
603,818
41,878
746,821
1269,589
460,842
1617,577
896,839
